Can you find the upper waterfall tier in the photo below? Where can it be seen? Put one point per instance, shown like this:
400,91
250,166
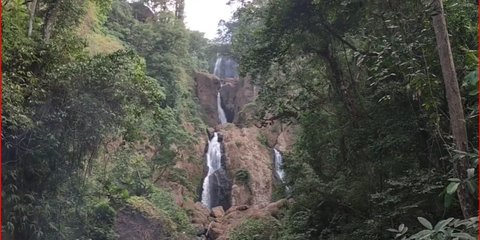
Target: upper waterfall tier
225,67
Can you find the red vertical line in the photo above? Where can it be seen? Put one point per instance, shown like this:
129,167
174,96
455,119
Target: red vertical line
1,114
478,108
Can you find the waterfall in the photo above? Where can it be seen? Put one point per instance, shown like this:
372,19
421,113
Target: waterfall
216,72
218,64
225,67
278,165
221,113
214,163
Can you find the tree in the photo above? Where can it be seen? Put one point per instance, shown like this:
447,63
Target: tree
455,108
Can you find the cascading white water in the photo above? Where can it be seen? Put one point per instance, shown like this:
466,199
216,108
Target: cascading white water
221,113
214,156
279,165
216,71
218,64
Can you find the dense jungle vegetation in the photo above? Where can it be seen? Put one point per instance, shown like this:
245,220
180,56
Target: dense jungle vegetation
364,81
87,83
88,80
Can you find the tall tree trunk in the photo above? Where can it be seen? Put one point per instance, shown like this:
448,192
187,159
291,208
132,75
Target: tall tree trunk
33,9
179,9
50,20
455,108
343,88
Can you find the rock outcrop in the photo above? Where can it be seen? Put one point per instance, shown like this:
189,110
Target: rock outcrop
217,212
244,152
220,228
132,225
221,188
246,180
206,87
235,94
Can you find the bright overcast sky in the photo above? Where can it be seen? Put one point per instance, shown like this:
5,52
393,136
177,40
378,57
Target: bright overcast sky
204,15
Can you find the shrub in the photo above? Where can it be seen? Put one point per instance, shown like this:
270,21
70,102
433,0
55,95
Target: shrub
242,176
256,229
164,201
102,220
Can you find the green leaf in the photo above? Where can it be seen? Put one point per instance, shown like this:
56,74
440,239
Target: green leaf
463,236
452,187
471,187
421,234
401,227
447,201
442,224
425,223
454,180
392,230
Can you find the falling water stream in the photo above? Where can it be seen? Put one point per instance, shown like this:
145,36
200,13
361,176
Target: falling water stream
221,112
216,186
216,71
279,165
214,153
214,163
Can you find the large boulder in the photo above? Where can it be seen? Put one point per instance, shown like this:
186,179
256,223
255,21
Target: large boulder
198,213
217,212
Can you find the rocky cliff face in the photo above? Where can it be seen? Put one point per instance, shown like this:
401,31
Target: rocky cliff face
235,94
206,87
249,162
247,153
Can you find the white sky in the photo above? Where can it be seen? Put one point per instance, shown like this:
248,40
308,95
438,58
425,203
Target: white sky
204,15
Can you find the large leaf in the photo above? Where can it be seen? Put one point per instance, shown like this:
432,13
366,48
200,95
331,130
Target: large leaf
452,187
442,224
425,222
463,236
422,234
471,83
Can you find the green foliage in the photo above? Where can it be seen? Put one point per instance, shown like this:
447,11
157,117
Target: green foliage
130,173
242,176
101,222
262,139
363,81
256,229
180,176
163,200
450,228
62,106
238,144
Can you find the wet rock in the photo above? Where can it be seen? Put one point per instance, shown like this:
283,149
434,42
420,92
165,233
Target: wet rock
220,188
210,132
